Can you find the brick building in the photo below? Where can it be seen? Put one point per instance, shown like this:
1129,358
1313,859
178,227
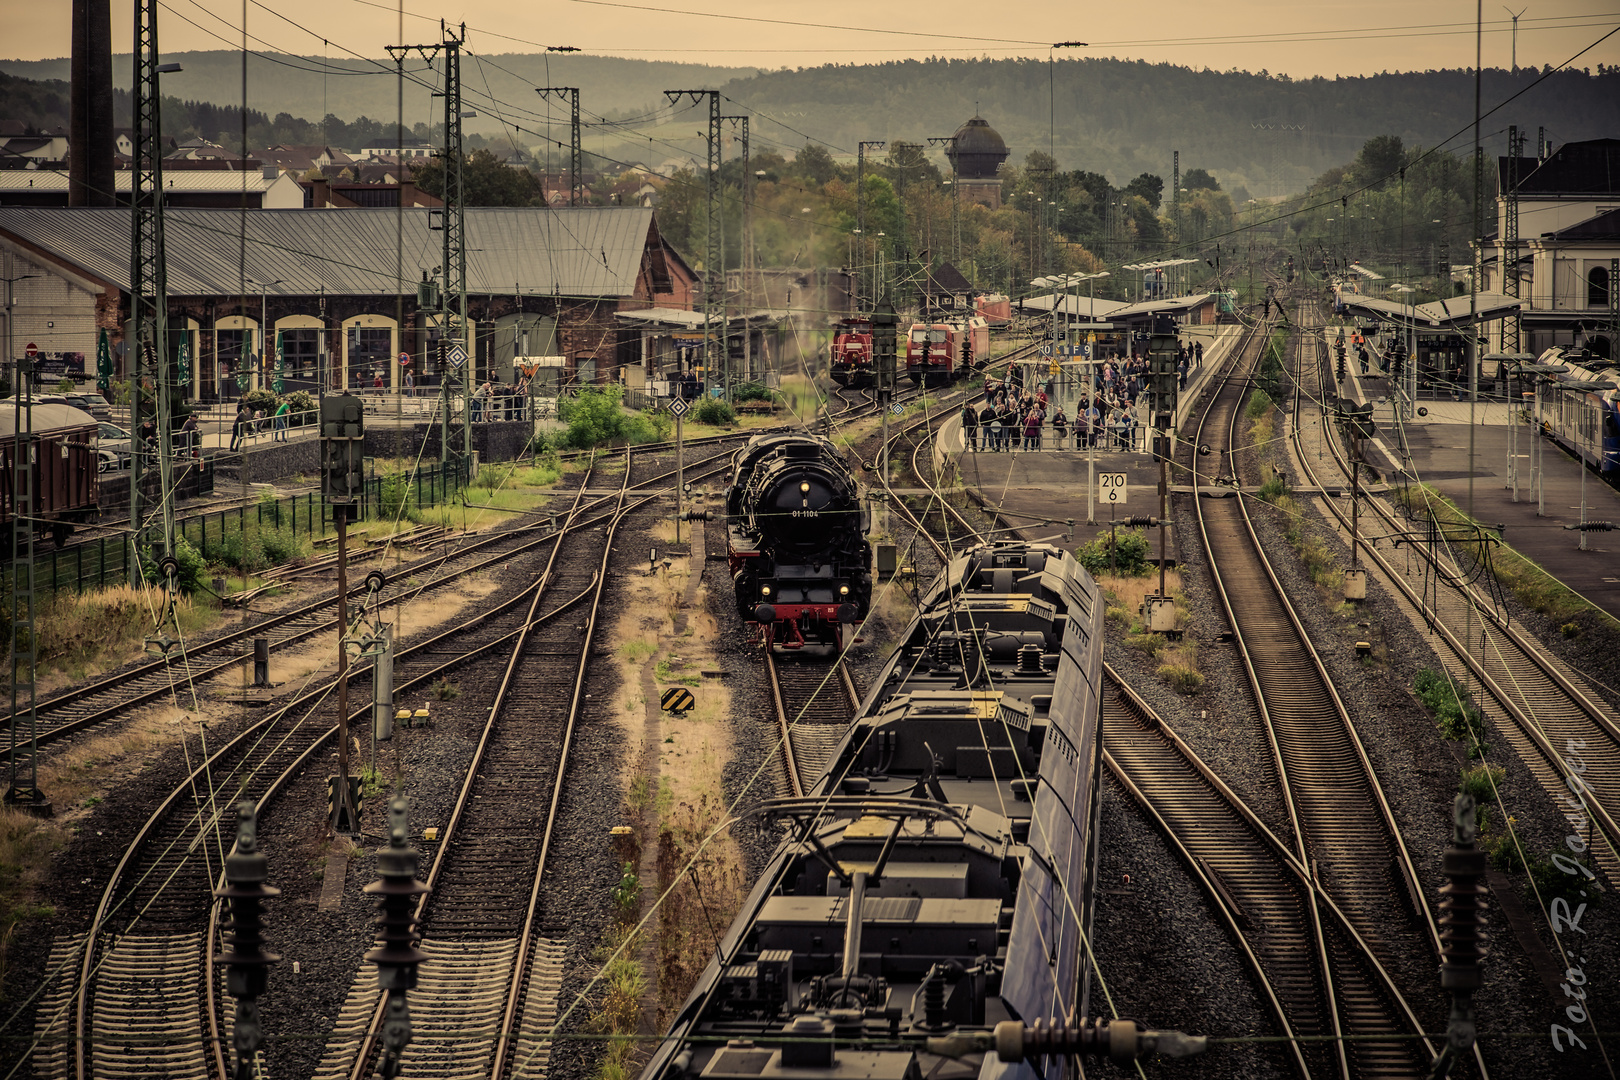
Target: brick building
540,282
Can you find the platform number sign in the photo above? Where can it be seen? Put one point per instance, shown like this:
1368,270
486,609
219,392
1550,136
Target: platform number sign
457,356
679,408
1111,490
677,700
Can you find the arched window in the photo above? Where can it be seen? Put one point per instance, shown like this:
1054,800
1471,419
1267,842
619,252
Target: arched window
1597,287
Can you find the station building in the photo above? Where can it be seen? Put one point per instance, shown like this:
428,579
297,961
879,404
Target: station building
336,291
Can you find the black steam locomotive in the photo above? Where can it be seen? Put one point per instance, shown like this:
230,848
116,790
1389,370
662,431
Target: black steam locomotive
939,878
796,541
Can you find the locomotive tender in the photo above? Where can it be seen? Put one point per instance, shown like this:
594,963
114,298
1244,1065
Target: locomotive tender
796,540
939,877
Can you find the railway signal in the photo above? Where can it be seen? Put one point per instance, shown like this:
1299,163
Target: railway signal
343,437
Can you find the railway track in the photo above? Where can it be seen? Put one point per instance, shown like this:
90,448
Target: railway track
815,703
500,983
1339,821
1314,958
1544,709
176,676
1271,903
161,889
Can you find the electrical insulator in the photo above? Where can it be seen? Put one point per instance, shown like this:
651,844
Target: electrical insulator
1462,924
1119,1040
1339,351
398,958
247,963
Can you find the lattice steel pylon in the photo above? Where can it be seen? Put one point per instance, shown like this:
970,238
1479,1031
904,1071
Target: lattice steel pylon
23,788
1512,324
452,323
862,283
569,94
147,351
713,277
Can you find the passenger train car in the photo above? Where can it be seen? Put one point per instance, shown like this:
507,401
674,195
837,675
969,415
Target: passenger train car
1580,415
938,352
939,877
796,540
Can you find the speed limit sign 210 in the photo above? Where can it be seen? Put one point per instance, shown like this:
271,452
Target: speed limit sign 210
1111,489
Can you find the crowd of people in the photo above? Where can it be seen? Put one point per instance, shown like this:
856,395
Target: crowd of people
1013,417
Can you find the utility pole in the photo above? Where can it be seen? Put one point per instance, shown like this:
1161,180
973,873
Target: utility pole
148,340
343,438
22,644
569,94
860,216
949,142
713,278
747,353
1175,193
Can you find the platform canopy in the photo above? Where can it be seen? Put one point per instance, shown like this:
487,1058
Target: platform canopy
1449,314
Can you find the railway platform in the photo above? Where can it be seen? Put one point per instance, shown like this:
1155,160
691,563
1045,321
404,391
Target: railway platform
1039,491
1436,449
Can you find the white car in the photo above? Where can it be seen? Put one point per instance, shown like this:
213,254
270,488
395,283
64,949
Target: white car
112,447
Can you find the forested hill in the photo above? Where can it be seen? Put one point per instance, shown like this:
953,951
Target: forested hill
1269,133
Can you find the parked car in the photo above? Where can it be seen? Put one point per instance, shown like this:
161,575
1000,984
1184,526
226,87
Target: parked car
113,447
94,404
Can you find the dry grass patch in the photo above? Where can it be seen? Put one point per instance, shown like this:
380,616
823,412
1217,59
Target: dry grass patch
82,635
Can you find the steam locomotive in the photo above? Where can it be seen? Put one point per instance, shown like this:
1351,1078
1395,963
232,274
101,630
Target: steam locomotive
939,877
796,541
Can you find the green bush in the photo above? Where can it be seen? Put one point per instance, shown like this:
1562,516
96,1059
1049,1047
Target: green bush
1482,782
1453,710
397,498
716,412
1273,489
300,401
193,567
263,400
65,386
258,547
752,391
594,418
1575,889
1260,404
1130,556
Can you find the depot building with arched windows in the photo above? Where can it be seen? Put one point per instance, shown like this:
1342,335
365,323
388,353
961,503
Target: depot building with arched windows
331,296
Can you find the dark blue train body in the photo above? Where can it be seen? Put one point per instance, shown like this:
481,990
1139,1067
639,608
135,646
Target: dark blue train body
939,876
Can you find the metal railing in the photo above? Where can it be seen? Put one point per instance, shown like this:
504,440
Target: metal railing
104,561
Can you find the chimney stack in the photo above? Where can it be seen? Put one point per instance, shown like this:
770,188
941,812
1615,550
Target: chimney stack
90,130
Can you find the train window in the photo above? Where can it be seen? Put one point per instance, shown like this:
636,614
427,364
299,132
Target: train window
919,335
936,336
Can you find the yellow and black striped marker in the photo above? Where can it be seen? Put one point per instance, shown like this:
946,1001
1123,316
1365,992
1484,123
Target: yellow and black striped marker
677,700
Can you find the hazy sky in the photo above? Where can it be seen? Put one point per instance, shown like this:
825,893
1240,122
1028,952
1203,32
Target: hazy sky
1301,39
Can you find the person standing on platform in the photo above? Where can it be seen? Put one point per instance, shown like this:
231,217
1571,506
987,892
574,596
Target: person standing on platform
990,420
1060,427
1198,351
282,412
239,426
970,428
